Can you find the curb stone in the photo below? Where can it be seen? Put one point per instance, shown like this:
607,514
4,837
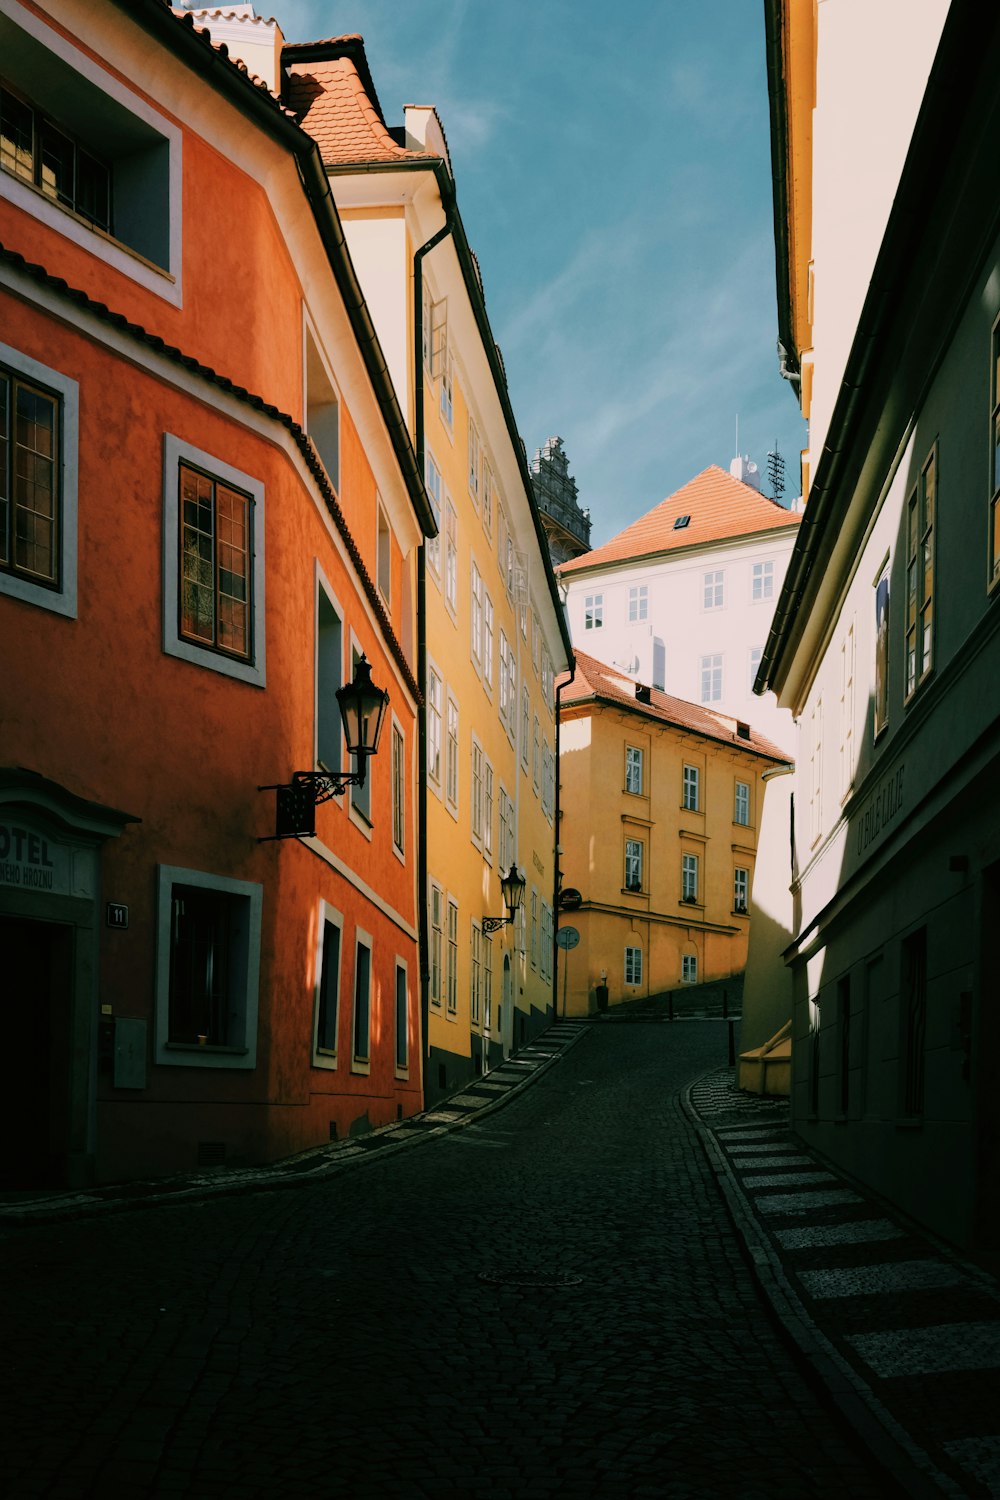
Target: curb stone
318,1163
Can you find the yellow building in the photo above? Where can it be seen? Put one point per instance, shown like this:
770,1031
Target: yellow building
491,630
660,806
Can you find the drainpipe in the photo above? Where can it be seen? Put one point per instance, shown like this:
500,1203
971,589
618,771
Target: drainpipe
419,445
557,849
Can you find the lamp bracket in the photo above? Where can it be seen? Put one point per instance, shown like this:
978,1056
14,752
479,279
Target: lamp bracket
494,924
297,800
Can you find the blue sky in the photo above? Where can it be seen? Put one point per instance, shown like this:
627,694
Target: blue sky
613,175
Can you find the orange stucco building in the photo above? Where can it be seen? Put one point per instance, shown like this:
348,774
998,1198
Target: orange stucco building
210,510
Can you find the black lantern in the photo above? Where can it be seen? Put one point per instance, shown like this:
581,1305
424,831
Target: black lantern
362,707
513,887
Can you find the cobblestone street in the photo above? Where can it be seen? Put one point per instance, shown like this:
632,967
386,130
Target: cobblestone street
550,1301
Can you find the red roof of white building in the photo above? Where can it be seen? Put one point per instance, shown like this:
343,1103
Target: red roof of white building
718,508
594,679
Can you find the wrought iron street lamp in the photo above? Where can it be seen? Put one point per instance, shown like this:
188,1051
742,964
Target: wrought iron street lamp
513,886
362,708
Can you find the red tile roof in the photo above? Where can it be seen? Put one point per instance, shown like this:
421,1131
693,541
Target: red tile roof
330,100
719,507
595,680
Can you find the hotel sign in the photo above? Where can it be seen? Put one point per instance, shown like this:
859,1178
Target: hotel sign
880,811
31,861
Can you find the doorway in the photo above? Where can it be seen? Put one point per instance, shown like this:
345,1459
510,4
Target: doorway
37,964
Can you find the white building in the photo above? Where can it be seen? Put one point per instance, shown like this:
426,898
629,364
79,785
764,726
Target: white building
886,639
682,599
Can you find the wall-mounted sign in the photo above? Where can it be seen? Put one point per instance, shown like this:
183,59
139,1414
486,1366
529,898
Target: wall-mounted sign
116,915
567,937
32,861
570,899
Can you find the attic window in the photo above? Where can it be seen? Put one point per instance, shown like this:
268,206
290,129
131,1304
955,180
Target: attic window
681,521
642,692
742,730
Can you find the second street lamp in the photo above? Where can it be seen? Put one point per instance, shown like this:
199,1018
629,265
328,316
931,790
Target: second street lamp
513,886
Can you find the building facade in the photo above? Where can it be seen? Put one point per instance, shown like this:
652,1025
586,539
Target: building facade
211,510
682,598
885,643
491,630
566,524
661,805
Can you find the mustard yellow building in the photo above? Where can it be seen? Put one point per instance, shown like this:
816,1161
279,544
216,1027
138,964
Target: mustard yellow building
660,807
491,629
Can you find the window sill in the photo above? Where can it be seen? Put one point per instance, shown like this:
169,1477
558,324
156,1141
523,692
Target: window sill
361,1065
740,911
690,901
325,1061
699,810
200,1049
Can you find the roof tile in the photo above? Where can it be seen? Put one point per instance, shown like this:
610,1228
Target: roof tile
330,101
719,507
593,679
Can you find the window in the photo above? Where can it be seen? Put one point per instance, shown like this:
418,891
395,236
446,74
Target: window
847,664
208,965
487,981
913,999
437,938
741,891
451,756
329,677
326,1006
548,781
384,557
476,975
475,462
995,458
488,644
487,498
39,411
425,324
633,770
920,575
534,927
434,722
711,678
546,941
451,558
432,480
593,612
681,522
361,796
361,1045
536,752
323,417
741,811
452,974
762,585
488,812
477,793
447,399
213,566
402,1019
525,721
638,603
692,788
108,175
536,640
816,773
633,965
633,864
756,652
548,681
713,592
506,851
880,718
689,877
689,968
398,789
476,618
508,684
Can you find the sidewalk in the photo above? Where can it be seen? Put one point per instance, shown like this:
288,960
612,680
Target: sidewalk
903,1332
316,1165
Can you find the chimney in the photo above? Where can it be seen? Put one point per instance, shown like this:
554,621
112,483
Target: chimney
249,39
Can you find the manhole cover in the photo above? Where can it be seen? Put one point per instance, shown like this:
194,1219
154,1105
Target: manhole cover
554,1281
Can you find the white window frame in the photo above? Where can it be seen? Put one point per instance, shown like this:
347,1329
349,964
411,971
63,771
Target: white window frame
165,282
638,603
634,862
741,890
451,958
762,582
436,946
175,452
401,1069
632,965
435,494
451,556
383,555
435,728
476,617
399,784
475,461
488,779
689,968
182,1054
691,789
332,741
488,631
848,679
714,589
756,652
690,874
452,789
741,804
61,600
477,792
593,612
476,974
326,1057
634,770
711,677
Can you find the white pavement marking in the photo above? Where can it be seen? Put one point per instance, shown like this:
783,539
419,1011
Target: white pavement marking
980,1457
760,1146
746,1163
930,1351
787,1179
804,1203
857,1232
890,1276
